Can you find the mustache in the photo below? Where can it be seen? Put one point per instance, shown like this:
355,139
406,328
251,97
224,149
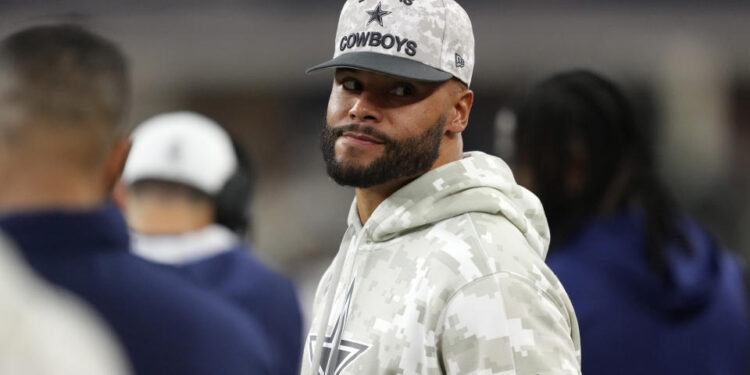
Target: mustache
367,130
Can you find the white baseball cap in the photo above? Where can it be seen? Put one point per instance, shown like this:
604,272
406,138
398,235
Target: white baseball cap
424,40
181,147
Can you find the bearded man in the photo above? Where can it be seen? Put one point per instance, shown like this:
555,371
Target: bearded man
441,270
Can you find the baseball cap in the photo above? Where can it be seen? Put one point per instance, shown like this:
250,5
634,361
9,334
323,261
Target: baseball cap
423,40
182,147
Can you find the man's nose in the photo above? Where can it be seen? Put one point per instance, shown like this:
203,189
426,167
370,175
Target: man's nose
365,108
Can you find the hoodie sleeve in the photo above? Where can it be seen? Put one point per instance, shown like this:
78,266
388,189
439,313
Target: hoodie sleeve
503,323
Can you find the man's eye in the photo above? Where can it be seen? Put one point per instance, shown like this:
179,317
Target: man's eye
402,90
350,84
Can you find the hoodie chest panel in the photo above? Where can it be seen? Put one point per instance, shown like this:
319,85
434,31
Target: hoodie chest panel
402,287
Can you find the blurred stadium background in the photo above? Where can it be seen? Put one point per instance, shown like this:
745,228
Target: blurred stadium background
686,63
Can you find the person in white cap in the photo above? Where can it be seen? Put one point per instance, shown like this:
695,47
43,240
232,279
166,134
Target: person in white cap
184,188
441,269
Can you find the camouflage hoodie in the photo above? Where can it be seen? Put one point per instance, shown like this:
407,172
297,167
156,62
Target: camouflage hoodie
446,277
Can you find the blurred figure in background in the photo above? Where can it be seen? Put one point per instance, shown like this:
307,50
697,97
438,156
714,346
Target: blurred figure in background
653,292
185,188
63,101
44,331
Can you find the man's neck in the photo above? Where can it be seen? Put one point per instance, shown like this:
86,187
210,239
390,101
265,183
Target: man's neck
368,199
30,191
166,216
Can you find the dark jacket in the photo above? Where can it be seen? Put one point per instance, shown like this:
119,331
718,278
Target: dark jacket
216,260
693,319
166,325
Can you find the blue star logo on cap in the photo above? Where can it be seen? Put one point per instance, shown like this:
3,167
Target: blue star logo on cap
377,14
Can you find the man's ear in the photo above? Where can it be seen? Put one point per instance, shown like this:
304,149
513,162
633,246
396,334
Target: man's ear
463,100
115,163
119,195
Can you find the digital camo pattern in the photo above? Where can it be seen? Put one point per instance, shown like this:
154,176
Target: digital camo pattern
448,277
437,33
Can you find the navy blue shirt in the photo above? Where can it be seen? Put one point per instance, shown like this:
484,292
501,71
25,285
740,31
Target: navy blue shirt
238,276
692,319
166,325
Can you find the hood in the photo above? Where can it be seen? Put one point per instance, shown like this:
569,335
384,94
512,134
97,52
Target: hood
478,183
693,275
691,278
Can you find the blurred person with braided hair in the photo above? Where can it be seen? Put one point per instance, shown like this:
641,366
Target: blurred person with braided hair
652,290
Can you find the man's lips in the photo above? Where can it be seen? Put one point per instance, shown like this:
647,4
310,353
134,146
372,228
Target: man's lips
360,138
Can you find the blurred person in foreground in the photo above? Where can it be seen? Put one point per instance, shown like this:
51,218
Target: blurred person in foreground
441,270
185,186
45,331
63,99
653,292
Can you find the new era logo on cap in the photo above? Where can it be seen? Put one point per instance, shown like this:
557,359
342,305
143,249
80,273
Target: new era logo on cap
460,63
428,40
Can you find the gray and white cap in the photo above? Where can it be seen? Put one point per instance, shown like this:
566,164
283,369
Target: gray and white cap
423,40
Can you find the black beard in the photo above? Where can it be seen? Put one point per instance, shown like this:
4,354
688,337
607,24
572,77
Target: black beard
404,159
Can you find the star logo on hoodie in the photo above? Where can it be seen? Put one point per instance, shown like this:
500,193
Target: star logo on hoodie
337,353
377,14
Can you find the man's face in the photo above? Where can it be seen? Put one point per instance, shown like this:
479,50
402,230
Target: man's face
382,129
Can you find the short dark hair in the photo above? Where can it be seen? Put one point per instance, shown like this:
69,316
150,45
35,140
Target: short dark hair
63,74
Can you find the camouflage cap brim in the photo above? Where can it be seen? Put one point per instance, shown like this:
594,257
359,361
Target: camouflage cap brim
386,64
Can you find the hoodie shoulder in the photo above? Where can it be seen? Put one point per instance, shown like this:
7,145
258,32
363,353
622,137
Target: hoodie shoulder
496,261
498,247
